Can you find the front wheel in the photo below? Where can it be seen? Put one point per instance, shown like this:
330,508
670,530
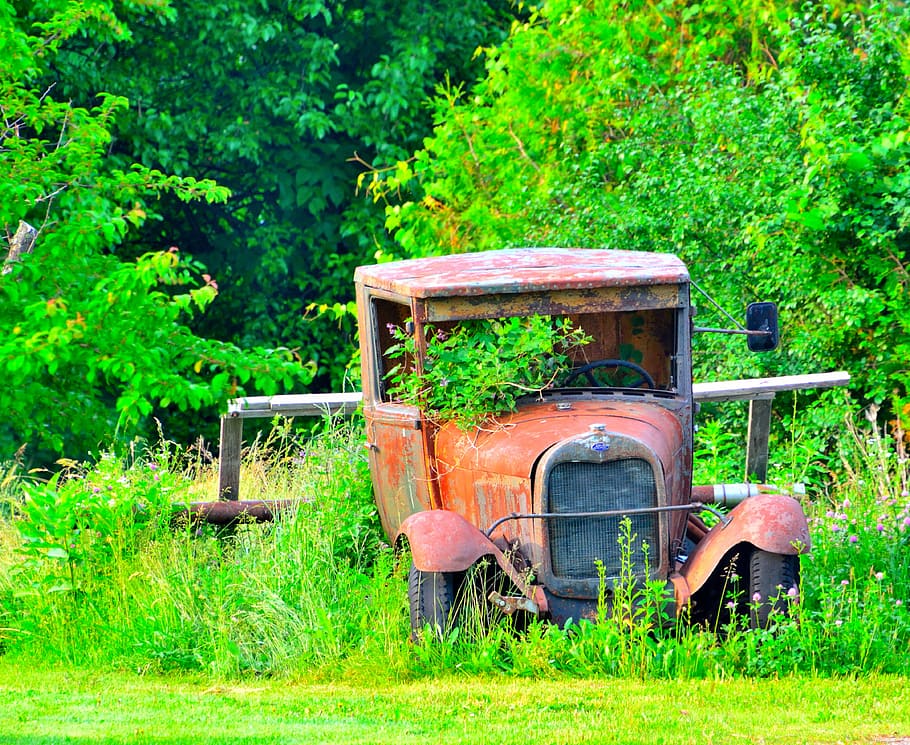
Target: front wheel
431,596
773,580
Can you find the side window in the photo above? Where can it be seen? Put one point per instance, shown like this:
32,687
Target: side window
387,316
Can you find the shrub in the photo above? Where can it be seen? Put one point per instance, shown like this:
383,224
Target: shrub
481,368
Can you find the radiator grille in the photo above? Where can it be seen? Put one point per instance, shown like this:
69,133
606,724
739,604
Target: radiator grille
576,543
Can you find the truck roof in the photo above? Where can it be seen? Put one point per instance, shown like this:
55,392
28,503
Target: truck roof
518,270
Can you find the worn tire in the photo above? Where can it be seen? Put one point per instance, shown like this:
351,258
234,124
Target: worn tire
431,596
770,577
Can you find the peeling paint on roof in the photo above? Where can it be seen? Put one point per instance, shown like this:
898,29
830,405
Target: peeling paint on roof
519,270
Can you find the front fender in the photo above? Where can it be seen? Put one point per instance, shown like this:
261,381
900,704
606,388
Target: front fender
770,522
443,541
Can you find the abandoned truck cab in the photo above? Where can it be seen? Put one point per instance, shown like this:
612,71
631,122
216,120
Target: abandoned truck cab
586,471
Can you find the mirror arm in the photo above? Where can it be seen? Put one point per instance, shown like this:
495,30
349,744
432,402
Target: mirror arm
698,329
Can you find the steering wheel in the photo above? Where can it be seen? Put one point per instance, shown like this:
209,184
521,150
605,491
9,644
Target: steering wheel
586,370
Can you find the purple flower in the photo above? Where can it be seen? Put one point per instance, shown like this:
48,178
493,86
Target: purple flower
756,598
880,528
853,538
793,593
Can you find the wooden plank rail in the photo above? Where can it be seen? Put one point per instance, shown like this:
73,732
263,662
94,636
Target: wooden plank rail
758,391
266,407
751,388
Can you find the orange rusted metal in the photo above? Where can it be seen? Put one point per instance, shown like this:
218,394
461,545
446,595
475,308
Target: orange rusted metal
770,522
681,592
398,454
484,475
444,541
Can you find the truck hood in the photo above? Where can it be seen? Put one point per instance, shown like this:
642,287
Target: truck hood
511,445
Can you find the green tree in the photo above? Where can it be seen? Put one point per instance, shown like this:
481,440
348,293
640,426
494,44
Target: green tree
91,342
764,143
284,103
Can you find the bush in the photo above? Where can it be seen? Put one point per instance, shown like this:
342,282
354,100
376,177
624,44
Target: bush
481,368
767,147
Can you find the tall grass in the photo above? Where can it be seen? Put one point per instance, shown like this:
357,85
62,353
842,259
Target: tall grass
94,573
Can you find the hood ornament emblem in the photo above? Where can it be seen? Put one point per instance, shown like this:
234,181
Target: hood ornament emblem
599,441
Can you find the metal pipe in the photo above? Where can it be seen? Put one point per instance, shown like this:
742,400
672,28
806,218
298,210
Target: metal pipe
744,332
696,528
725,495
231,512
730,495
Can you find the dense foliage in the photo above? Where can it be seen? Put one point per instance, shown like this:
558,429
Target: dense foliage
765,143
285,103
91,341
281,104
481,368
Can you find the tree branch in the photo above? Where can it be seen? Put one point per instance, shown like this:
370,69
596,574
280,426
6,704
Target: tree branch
21,243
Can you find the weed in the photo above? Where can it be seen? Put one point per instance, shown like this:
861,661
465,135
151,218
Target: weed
92,574
718,453
481,368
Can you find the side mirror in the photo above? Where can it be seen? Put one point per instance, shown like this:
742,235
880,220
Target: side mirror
762,317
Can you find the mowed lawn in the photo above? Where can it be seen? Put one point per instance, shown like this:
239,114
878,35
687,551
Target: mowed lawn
82,707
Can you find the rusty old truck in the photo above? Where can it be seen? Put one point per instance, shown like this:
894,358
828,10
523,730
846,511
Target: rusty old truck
541,492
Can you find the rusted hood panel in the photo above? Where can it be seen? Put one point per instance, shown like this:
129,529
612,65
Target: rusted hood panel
510,446
520,270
